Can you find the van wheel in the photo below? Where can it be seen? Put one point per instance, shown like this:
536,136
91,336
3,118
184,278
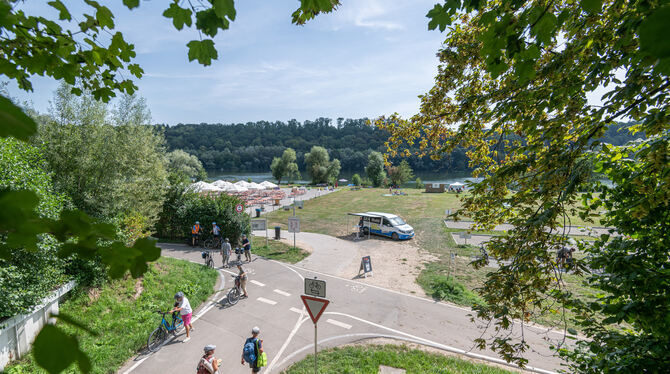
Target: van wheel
366,231
394,236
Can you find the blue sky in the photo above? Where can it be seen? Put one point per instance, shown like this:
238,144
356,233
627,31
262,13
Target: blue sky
369,58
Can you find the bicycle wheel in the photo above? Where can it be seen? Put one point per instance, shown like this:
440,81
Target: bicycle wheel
178,323
234,296
156,339
210,263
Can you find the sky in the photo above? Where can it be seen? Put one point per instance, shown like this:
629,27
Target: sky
369,58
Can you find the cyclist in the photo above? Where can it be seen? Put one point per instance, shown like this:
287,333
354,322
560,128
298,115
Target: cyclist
216,232
184,307
243,280
195,231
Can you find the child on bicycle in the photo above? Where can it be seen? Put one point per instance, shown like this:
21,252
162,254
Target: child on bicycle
243,280
184,307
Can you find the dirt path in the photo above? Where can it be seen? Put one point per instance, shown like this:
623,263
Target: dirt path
395,264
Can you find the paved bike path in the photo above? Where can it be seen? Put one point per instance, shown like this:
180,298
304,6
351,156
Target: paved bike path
357,311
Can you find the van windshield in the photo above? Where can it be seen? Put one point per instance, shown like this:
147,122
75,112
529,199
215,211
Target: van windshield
397,221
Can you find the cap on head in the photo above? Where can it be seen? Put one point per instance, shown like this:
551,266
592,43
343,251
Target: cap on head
209,348
213,223
255,330
244,235
227,240
179,295
197,222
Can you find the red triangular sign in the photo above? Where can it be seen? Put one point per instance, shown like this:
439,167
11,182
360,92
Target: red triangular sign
315,306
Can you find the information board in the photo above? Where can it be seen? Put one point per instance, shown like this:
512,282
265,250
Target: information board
294,224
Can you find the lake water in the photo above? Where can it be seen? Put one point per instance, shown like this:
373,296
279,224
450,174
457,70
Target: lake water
425,177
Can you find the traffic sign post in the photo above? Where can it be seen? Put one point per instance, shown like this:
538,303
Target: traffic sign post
465,236
260,224
294,226
315,307
315,287
239,208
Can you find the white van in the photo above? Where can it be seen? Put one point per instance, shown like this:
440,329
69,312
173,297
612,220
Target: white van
384,224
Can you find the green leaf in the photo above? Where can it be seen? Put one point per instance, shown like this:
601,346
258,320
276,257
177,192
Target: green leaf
131,3
64,14
209,23
545,28
653,32
180,16
439,17
591,6
224,8
202,50
13,122
55,351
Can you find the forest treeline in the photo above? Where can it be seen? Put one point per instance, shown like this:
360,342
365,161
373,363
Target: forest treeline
251,146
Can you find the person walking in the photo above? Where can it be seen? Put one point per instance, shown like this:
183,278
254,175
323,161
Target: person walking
225,252
184,307
247,248
253,350
243,280
208,364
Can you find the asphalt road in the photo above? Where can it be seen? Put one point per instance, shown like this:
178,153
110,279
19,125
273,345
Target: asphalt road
357,311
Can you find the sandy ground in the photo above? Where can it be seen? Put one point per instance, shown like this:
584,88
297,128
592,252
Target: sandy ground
395,264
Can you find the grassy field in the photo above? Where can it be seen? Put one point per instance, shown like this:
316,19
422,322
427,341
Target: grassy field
122,312
366,360
277,250
425,212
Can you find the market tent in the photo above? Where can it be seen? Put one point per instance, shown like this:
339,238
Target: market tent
267,184
457,184
204,187
244,184
222,184
236,188
255,186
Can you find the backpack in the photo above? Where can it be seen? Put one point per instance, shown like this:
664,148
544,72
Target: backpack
249,351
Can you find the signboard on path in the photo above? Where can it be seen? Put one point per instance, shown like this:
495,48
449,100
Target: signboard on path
293,224
258,224
315,306
366,266
315,287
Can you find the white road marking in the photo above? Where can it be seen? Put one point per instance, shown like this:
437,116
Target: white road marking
438,345
267,301
257,283
298,323
283,293
296,310
338,323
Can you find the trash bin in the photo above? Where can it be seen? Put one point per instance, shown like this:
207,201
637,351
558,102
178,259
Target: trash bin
277,232
258,212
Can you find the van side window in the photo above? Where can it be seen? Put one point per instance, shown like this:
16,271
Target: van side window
386,222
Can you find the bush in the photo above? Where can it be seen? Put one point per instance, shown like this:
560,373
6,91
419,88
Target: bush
445,288
182,208
356,180
419,184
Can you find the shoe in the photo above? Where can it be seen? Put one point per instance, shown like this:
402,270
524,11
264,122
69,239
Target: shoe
244,296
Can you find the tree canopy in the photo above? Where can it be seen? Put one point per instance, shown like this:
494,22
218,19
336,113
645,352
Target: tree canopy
513,88
285,166
319,166
375,169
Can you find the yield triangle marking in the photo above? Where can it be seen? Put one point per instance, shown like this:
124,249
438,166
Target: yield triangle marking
315,306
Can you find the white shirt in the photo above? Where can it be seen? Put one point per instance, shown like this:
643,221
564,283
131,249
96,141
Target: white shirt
185,307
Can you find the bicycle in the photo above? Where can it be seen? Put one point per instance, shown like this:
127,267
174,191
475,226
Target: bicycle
213,243
158,337
207,256
235,292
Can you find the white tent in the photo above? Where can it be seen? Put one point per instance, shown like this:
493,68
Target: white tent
236,188
267,184
222,184
457,184
255,186
204,187
244,184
